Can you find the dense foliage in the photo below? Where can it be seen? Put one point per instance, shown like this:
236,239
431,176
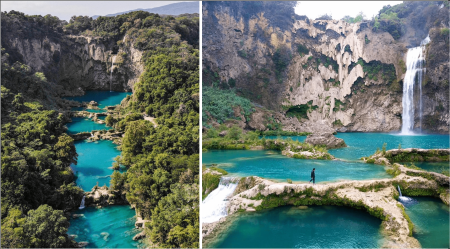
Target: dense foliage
419,15
36,155
218,104
162,179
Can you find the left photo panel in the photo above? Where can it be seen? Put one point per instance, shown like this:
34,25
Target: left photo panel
100,124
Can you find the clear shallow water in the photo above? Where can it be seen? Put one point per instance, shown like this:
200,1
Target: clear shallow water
437,167
295,138
273,165
84,125
95,160
108,227
365,144
315,227
103,98
431,221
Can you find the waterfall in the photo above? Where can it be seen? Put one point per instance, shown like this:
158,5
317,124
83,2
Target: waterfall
214,206
401,197
414,66
110,78
82,203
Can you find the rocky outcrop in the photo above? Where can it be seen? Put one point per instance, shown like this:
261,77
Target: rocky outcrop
102,196
74,63
140,223
81,136
325,139
409,155
140,235
322,73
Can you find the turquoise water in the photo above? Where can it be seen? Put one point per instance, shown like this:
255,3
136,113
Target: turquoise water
273,165
315,227
431,221
295,138
95,160
437,167
365,144
84,125
104,98
108,227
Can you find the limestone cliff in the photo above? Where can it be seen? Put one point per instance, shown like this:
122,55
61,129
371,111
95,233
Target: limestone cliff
322,75
74,62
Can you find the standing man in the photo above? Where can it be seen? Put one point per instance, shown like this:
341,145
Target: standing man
313,176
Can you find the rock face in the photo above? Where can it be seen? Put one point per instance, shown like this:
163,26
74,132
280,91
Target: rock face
327,139
322,69
73,62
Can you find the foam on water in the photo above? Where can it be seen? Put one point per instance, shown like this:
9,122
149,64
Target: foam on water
214,206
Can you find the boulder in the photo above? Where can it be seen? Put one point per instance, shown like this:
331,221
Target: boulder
139,236
93,103
327,139
223,133
82,244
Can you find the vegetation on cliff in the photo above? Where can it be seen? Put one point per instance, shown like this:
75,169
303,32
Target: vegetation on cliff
36,154
162,161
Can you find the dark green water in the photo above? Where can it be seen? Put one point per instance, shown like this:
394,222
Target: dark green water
438,167
273,165
103,98
315,227
95,161
108,227
84,125
431,221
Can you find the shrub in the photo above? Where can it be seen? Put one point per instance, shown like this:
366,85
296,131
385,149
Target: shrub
220,103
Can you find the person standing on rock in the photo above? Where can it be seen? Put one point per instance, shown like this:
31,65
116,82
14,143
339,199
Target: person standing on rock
313,176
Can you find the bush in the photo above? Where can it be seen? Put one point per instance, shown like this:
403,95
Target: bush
220,103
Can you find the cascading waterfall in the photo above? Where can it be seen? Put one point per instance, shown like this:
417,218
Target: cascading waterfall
110,78
214,206
82,203
401,197
414,66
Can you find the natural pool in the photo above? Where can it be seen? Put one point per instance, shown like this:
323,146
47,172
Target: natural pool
103,98
108,227
315,227
365,144
80,124
438,167
431,221
95,160
273,165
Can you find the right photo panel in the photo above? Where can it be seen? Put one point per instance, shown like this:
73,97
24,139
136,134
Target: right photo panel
325,124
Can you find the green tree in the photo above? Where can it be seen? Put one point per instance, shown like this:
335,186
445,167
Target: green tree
65,150
47,228
13,235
